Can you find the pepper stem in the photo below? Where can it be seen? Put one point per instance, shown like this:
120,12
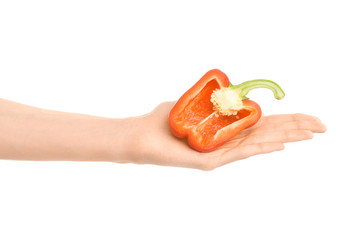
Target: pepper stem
245,87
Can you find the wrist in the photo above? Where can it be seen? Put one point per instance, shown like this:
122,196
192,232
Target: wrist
118,140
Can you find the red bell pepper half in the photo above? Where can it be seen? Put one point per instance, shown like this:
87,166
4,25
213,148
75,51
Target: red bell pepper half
214,111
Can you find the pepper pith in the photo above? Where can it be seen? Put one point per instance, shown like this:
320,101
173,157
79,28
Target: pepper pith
228,101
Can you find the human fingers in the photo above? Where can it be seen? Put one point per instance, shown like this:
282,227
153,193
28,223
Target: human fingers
282,128
292,121
282,136
165,106
285,122
286,117
245,151
310,125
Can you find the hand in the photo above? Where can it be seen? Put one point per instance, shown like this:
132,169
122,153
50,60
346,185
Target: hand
155,144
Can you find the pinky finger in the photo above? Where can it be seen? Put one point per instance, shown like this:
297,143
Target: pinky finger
260,148
246,151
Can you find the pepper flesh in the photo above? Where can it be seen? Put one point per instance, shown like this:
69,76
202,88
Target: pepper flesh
194,115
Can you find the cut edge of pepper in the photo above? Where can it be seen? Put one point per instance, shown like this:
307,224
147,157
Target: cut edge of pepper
252,112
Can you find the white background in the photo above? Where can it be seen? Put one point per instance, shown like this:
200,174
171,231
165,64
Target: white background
122,58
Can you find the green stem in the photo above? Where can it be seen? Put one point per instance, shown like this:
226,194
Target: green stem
245,87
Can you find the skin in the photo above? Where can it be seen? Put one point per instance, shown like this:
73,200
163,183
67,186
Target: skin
29,133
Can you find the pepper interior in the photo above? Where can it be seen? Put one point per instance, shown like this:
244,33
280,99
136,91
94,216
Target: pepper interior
200,107
217,122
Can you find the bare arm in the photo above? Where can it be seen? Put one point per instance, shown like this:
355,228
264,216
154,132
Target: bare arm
31,133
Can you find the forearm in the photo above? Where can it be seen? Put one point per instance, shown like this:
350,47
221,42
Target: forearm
30,133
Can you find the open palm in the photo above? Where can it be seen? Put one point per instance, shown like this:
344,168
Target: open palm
159,146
